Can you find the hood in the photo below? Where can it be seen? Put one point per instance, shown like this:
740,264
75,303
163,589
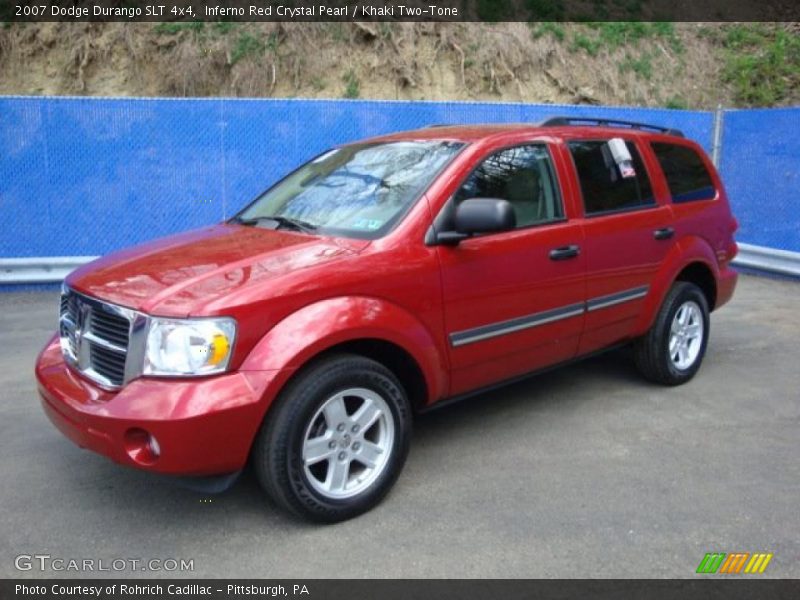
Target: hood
181,274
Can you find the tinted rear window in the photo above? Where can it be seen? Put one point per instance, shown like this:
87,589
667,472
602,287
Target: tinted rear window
686,174
604,187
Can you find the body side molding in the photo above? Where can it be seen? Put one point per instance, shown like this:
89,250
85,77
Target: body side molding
492,330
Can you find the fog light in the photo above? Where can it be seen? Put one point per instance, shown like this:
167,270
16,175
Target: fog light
142,446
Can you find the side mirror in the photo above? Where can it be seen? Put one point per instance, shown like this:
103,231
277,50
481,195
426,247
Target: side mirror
480,215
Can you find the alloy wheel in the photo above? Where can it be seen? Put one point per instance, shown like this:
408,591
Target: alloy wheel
347,443
686,335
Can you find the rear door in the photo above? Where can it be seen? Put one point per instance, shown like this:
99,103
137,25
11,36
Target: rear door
628,233
514,300
697,196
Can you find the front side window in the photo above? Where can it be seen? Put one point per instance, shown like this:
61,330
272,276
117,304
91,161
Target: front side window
605,187
360,190
523,176
686,174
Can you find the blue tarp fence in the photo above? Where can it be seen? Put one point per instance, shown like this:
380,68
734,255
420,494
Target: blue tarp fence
85,176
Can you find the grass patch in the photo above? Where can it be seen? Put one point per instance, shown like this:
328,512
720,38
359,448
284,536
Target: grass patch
251,45
173,28
611,35
224,27
338,31
761,63
590,45
548,28
218,27
246,45
677,103
642,66
352,87
318,84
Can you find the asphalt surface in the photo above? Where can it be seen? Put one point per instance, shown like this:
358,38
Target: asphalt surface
587,471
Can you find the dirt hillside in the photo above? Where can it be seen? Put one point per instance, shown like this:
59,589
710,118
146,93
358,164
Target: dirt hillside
681,65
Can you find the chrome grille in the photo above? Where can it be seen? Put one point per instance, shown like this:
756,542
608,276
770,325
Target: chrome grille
108,363
95,336
111,327
69,316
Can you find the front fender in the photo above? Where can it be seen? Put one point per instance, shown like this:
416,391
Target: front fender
688,250
319,326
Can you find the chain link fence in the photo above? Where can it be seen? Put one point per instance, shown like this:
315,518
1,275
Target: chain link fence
760,165
86,176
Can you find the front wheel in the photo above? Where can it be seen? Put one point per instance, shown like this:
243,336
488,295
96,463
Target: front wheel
336,440
673,350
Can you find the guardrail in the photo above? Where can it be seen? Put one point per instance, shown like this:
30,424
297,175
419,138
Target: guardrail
40,269
770,260
53,269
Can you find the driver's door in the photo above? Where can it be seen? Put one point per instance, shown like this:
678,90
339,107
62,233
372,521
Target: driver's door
514,301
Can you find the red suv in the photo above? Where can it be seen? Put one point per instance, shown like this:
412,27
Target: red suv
379,279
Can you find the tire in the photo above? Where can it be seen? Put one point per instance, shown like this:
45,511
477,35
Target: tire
673,359
368,411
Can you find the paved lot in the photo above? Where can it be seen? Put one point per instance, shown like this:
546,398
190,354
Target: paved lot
583,472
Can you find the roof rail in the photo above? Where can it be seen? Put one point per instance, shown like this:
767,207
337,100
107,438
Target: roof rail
600,122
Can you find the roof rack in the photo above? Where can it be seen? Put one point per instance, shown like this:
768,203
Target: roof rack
558,121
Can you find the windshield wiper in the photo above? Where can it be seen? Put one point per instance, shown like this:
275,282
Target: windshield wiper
281,221
296,224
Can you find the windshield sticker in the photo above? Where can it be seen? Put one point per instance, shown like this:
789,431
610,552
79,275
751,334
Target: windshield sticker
367,224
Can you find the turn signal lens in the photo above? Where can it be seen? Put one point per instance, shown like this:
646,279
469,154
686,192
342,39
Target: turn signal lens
219,349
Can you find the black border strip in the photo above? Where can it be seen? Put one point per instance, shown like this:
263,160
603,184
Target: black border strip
395,10
616,298
485,332
699,587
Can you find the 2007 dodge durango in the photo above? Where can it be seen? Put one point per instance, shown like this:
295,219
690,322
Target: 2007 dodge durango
379,279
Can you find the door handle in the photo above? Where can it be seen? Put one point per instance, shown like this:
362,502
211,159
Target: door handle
565,252
664,233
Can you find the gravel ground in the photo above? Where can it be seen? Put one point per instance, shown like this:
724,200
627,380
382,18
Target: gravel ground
586,471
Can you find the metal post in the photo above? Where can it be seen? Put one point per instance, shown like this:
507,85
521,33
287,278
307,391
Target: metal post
716,142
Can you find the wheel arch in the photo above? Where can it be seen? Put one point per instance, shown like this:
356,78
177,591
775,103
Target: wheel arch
691,259
389,354
370,327
699,273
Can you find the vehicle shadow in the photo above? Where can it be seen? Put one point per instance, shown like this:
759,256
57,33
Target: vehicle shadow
604,373
170,504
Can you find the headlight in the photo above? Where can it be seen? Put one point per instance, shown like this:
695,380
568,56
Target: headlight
178,347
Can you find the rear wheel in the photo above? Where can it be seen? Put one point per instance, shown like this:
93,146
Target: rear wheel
673,350
336,440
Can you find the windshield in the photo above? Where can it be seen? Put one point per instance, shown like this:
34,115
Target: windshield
360,190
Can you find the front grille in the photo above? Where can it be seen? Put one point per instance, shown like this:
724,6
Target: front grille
108,363
111,327
69,316
94,337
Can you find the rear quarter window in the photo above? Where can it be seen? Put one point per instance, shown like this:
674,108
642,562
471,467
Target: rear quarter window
685,172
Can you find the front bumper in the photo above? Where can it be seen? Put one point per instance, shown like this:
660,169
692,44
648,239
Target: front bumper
203,426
